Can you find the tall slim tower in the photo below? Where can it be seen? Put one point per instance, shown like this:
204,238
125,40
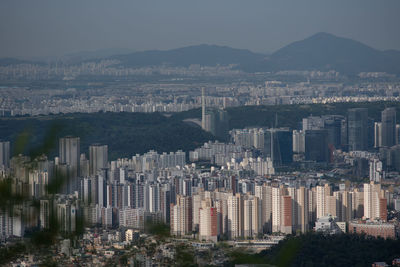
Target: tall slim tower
98,158
357,125
388,118
4,154
377,134
203,109
372,195
69,152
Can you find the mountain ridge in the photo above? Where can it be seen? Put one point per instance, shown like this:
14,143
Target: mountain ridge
321,51
324,51
203,54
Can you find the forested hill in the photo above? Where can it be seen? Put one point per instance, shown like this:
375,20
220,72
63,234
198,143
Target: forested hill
125,133
319,250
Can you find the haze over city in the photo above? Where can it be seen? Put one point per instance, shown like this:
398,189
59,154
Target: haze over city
47,28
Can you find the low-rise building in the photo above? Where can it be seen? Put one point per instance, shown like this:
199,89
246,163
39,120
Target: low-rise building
373,228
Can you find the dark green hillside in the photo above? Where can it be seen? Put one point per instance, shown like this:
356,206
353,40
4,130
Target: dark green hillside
319,250
125,133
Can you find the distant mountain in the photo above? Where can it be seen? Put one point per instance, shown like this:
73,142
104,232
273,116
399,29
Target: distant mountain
324,51
14,61
81,56
205,55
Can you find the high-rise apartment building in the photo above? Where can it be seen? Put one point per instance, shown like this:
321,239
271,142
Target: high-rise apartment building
276,209
287,215
303,208
264,193
373,208
208,229
181,216
251,216
98,158
69,155
235,216
322,192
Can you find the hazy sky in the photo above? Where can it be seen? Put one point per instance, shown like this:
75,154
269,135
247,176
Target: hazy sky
56,27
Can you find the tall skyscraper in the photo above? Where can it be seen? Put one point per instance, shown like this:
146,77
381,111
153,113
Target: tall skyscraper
333,125
388,119
320,202
69,154
357,129
4,154
316,145
377,134
98,158
278,145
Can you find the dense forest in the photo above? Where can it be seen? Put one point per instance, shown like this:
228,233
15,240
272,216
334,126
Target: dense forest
325,250
127,134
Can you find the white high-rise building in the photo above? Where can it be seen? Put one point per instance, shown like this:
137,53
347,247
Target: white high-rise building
276,209
299,141
320,201
372,195
234,216
208,228
181,216
376,172
377,134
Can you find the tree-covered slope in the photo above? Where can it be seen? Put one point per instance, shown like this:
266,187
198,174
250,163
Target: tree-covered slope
125,133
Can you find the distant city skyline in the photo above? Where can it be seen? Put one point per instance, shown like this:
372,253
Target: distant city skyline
47,28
